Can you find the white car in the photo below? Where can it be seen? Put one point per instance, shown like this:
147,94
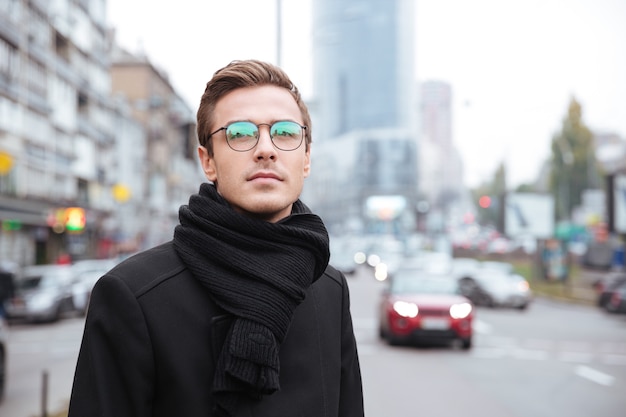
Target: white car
86,273
465,267
500,289
42,293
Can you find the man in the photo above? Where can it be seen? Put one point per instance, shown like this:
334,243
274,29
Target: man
239,315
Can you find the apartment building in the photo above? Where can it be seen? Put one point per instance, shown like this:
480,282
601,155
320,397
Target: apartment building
174,172
67,141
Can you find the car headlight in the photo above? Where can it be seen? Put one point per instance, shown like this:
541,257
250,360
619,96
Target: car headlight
360,258
405,309
373,260
460,311
380,272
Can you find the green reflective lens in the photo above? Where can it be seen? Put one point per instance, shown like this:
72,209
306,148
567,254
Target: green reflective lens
286,129
286,135
241,130
243,136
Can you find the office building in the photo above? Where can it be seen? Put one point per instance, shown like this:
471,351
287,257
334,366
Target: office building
75,162
365,121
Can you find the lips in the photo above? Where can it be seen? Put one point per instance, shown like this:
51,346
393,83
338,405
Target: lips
265,175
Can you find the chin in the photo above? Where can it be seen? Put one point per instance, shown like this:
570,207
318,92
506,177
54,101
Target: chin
270,210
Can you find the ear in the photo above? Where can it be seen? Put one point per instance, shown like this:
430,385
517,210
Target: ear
208,164
307,162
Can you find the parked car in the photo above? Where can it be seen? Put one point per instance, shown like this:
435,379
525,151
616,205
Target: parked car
420,307
386,259
7,289
81,290
498,288
616,302
42,293
3,356
498,265
465,267
607,285
429,262
86,273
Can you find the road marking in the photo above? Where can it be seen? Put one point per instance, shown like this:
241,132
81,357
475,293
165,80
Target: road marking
594,375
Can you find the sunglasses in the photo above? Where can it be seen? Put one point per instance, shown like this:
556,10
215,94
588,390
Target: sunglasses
243,136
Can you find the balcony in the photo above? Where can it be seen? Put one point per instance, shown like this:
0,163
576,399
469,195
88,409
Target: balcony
9,31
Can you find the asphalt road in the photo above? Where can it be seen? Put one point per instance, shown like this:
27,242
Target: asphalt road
37,352
553,360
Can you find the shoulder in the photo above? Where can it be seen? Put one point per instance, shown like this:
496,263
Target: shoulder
147,269
334,275
332,280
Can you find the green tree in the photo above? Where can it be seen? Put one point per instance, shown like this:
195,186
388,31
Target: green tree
573,163
526,188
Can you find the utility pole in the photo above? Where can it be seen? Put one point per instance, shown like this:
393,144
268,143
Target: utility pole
279,34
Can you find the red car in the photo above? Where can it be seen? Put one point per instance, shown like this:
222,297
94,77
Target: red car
418,307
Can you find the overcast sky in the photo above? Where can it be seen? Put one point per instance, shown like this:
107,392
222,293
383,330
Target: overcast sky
513,65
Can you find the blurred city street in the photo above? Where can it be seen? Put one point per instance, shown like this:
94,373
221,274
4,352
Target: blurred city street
556,359
472,133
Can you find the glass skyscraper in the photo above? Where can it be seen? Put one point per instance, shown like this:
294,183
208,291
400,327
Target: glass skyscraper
365,110
363,65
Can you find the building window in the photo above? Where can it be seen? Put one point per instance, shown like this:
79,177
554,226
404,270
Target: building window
82,188
62,47
9,60
83,103
37,80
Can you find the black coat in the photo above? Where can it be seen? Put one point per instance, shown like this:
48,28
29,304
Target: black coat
153,334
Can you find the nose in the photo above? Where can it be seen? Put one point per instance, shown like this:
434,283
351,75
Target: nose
264,148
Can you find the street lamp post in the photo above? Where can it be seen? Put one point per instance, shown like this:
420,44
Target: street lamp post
279,35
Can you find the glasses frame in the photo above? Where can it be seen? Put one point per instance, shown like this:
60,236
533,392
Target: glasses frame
258,135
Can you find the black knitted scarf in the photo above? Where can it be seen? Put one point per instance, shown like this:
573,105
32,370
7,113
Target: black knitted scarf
257,271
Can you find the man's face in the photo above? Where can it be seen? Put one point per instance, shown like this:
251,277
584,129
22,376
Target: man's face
264,181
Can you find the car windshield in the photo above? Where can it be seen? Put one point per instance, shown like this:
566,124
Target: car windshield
498,279
28,283
498,266
48,279
465,264
424,286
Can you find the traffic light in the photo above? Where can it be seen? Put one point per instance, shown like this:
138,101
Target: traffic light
484,201
74,219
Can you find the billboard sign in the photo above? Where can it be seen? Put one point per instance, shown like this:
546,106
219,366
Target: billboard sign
385,207
529,214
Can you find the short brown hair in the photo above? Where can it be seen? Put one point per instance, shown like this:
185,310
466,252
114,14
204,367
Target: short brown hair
240,74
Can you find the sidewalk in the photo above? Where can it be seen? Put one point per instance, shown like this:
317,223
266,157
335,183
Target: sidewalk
581,289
